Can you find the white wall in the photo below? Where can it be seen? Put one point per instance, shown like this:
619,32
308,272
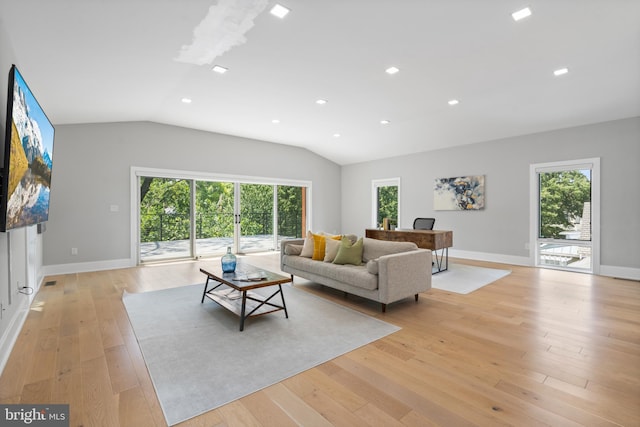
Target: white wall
501,230
91,172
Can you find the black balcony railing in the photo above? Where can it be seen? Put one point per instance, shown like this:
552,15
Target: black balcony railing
168,227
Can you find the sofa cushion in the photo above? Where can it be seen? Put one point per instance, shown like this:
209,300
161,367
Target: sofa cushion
374,249
349,253
372,266
292,249
351,274
307,249
351,237
331,249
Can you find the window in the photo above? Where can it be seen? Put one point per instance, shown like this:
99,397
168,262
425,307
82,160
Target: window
565,217
386,202
186,215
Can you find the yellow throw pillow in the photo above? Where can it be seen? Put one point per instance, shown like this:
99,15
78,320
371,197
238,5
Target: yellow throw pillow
319,245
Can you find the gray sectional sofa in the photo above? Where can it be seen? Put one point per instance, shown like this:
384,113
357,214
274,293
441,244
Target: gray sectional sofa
390,271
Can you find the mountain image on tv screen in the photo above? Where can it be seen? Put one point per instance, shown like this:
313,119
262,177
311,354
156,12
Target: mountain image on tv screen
30,159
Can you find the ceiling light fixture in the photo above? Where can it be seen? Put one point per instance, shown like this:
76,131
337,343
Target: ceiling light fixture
279,11
453,102
384,122
521,14
321,101
219,69
392,70
186,100
336,135
275,121
560,71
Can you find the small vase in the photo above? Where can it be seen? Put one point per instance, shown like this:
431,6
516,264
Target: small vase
228,261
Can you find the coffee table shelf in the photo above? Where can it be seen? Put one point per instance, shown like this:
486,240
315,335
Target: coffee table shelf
234,304
245,304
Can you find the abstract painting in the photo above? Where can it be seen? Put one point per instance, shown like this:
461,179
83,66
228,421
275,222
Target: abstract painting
461,193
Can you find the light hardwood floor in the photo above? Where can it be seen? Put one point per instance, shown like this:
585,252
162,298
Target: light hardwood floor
538,347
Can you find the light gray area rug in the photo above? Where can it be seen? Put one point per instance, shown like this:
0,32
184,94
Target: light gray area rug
464,279
199,360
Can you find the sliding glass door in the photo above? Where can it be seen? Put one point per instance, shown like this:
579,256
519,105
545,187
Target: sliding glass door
214,217
193,218
291,214
165,211
256,232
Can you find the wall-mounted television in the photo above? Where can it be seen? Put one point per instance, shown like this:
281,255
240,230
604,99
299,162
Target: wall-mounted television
28,156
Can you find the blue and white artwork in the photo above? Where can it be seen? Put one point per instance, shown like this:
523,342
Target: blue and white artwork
461,193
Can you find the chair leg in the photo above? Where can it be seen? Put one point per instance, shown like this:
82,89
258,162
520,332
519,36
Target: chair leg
384,307
417,297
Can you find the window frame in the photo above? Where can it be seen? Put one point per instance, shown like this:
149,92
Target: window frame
534,215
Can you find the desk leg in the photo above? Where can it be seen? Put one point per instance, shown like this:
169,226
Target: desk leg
442,258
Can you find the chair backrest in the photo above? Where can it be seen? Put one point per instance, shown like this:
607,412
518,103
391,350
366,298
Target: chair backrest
423,223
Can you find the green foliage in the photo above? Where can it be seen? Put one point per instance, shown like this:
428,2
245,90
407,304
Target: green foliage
165,209
562,198
256,209
388,204
214,209
290,211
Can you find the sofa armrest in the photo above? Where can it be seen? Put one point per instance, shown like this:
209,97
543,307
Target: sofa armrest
283,245
404,274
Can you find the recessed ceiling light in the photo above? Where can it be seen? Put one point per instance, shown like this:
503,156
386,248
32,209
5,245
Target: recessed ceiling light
186,100
279,11
521,14
560,71
336,135
453,102
321,101
275,121
392,70
384,122
219,69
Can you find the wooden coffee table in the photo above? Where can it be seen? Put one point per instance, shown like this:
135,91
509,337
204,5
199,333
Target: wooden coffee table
232,290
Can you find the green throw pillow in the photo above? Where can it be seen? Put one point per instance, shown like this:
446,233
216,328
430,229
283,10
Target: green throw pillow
349,253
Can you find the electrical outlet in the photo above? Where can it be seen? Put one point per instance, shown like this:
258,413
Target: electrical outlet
74,251
526,246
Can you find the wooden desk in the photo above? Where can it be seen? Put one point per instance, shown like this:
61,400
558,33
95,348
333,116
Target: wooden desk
439,241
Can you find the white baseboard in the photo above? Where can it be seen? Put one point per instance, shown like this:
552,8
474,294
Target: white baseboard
628,273
83,267
489,257
620,272
8,339
11,333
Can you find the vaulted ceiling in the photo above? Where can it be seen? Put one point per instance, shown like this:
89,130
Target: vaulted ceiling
130,60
